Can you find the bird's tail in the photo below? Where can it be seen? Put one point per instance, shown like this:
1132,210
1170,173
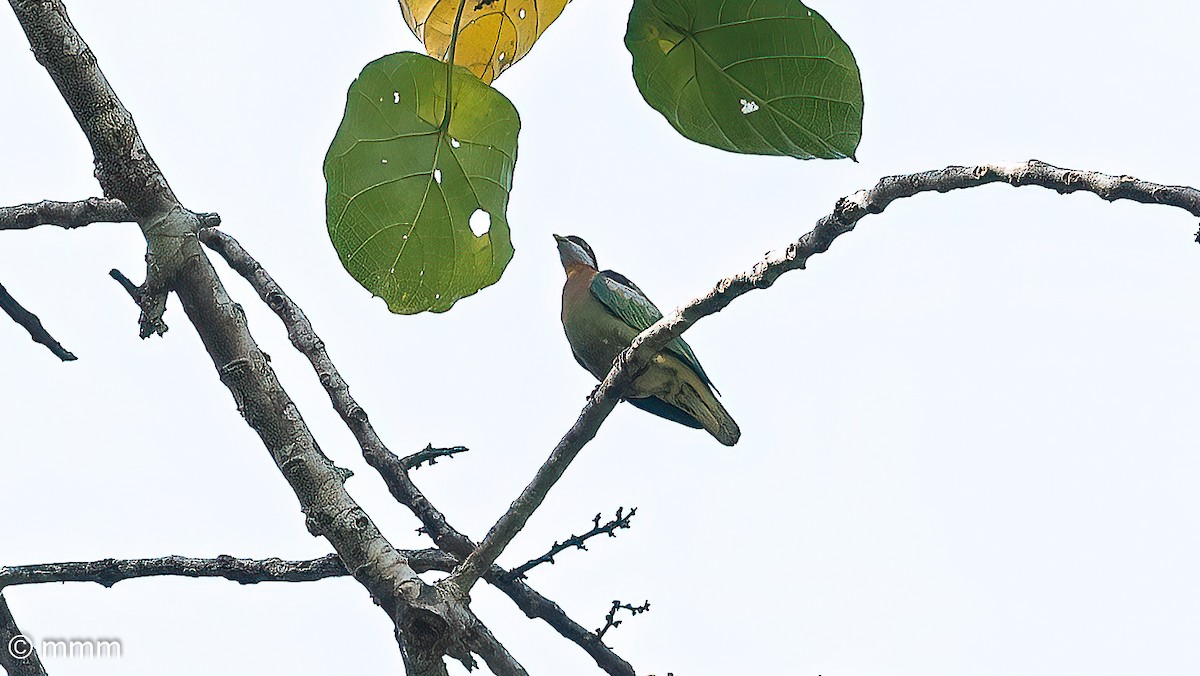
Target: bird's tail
702,405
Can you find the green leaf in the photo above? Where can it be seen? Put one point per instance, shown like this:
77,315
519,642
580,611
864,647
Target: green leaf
766,77
403,191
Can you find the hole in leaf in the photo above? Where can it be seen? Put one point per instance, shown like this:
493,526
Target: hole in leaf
454,143
436,296
501,56
748,107
383,161
521,14
481,222
395,97
437,176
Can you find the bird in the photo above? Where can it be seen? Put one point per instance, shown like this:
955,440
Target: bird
602,312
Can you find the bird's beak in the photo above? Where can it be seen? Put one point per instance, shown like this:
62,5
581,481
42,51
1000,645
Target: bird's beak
559,238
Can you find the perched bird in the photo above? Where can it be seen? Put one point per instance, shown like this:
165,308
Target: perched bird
602,312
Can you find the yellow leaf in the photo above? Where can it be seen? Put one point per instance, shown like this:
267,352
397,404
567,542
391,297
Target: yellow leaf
493,34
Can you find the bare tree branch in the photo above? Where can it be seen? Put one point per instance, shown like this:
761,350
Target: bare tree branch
847,212
134,291
64,214
108,572
76,214
430,455
577,541
17,654
390,467
33,325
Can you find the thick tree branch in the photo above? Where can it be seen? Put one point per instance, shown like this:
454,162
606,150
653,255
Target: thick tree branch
847,212
64,214
33,325
123,167
577,541
76,214
390,466
17,654
108,572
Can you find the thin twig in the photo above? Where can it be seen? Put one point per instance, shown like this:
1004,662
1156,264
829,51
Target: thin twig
390,466
611,621
33,325
17,654
577,541
430,455
134,291
847,212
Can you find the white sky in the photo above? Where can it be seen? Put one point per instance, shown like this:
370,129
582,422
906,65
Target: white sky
968,430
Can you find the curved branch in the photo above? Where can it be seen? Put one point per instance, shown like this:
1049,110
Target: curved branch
846,214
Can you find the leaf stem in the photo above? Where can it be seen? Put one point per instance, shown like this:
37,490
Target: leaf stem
450,64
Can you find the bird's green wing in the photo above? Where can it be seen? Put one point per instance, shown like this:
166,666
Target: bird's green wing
625,300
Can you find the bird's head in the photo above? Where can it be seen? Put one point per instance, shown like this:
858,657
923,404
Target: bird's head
573,250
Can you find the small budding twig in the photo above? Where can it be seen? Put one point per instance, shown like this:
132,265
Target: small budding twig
611,621
429,454
577,541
